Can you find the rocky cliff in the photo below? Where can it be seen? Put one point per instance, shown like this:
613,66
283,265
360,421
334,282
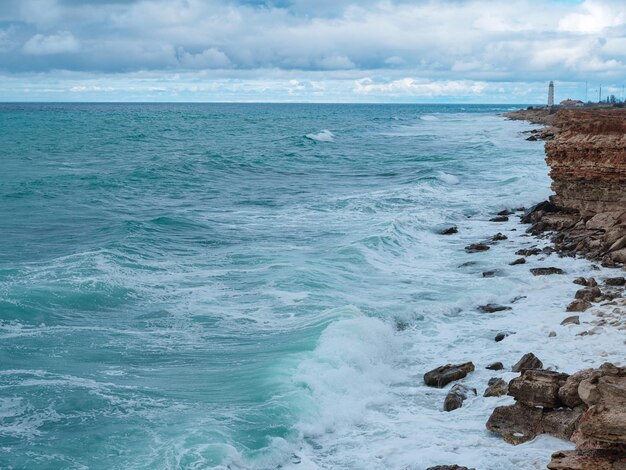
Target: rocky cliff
587,157
588,160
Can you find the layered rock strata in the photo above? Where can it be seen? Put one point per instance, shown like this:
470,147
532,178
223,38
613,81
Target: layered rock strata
587,156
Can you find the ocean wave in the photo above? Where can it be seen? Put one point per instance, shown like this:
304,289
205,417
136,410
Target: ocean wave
323,136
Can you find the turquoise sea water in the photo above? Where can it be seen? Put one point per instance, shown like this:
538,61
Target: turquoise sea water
200,286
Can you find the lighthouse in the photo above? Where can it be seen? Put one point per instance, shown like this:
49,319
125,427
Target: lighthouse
551,93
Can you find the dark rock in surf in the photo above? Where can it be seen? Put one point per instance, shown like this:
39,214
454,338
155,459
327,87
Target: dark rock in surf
443,375
456,396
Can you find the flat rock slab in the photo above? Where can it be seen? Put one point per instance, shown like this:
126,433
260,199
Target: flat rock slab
492,308
449,467
546,271
579,305
442,376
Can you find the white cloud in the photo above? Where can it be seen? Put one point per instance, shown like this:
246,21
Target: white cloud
415,87
60,43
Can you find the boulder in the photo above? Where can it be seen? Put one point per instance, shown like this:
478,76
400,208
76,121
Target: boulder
538,388
568,393
518,261
500,218
443,375
528,252
456,396
495,366
573,320
542,207
602,427
449,230
615,281
587,460
516,423
528,361
500,336
590,294
498,237
496,388
561,423
476,247
578,306
546,271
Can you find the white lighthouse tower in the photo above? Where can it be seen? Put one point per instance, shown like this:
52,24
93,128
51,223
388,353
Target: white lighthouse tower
551,93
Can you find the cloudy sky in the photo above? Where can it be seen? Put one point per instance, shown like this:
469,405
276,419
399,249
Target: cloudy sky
310,50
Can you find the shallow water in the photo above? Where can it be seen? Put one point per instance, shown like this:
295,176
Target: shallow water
218,286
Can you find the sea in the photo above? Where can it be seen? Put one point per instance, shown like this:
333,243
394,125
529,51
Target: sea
263,286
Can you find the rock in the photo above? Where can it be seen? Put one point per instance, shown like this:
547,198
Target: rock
441,376
538,388
561,423
552,334
516,423
476,247
498,237
618,256
505,212
500,336
568,393
603,221
601,427
573,320
449,467
456,396
578,306
615,281
581,281
492,308
495,366
496,388
500,218
546,271
587,460
490,273
518,261
589,294
528,252
450,230
528,361
542,207
619,244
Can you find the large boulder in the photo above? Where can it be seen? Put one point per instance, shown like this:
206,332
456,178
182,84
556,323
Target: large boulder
516,423
443,375
538,388
587,460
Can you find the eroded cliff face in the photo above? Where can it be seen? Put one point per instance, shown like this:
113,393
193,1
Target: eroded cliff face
588,160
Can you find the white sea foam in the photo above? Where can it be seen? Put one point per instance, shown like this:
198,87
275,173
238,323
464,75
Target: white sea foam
447,178
429,117
323,136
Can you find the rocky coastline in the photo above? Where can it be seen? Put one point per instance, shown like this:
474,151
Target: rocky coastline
586,217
